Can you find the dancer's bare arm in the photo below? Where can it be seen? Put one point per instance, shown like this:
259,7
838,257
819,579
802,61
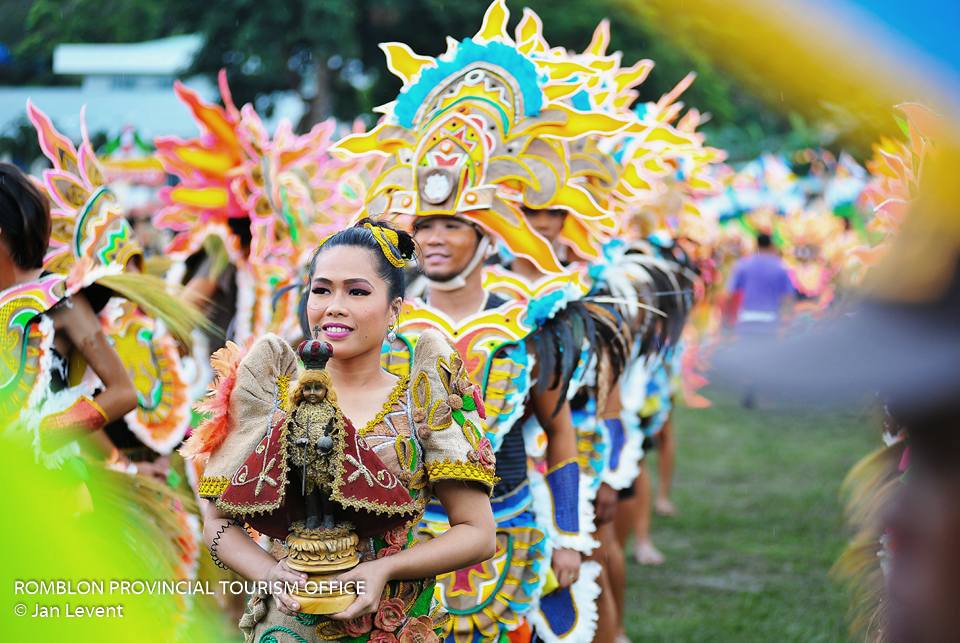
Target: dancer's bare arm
233,546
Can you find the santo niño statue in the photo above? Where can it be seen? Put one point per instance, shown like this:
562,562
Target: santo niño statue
311,430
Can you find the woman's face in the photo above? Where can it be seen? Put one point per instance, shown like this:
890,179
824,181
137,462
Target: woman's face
349,302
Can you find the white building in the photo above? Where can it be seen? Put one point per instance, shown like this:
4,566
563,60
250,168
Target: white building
125,85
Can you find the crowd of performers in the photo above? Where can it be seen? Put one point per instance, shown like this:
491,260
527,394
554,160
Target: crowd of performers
505,267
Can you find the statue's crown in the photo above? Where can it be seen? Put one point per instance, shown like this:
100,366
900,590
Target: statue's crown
315,354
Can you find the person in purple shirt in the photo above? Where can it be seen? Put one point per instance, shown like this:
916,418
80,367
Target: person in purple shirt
766,291
763,282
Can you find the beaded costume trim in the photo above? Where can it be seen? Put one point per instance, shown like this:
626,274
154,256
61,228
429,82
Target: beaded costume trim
449,469
212,487
399,389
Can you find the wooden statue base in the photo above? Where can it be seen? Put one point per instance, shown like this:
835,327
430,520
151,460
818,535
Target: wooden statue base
326,602
323,554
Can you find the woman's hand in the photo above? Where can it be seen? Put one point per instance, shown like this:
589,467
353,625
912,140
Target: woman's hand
371,577
605,505
281,574
566,566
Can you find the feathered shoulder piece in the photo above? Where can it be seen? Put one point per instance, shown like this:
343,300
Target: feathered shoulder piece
566,328
257,404
248,399
570,329
212,431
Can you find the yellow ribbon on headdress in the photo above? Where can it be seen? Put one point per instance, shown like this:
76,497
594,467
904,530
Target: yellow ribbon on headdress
389,242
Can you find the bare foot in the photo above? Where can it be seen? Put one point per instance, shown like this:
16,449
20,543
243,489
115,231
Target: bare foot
646,554
664,507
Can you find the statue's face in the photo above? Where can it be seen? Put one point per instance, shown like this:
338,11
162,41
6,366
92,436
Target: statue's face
314,392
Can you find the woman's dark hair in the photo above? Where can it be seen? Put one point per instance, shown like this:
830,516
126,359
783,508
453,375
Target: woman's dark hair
764,240
240,226
360,236
24,218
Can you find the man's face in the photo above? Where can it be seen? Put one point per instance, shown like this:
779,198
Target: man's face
923,586
447,245
547,223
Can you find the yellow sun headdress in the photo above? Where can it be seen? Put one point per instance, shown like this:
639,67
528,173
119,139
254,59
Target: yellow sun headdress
478,133
655,169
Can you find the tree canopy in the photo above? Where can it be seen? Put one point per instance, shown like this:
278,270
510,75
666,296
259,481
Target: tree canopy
326,51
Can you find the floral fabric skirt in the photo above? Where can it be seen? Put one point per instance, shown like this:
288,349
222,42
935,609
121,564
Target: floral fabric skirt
406,614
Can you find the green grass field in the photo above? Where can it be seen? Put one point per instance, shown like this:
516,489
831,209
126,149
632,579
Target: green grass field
760,525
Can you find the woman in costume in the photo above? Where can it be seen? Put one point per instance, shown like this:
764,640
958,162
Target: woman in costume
52,334
47,326
92,250
150,354
249,208
397,443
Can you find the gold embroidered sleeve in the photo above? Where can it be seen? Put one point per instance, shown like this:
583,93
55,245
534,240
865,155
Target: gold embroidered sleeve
447,410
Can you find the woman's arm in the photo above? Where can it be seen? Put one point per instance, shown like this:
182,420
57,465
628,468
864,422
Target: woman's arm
471,539
232,546
561,436
605,504
82,327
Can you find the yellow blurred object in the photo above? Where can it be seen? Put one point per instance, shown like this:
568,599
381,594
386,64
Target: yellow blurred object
551,583
830,58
